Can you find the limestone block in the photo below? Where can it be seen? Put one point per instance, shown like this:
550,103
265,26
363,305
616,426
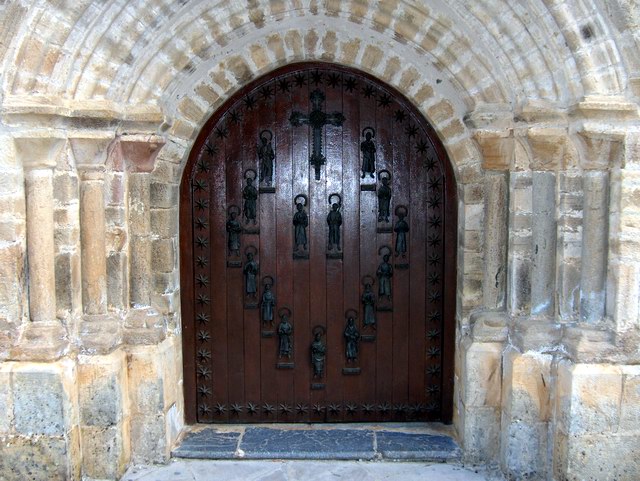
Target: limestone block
148,439
482,377
117,291
42,458
102,386
163,256
497,148
527,386
6,419
164,222
146,381
523,450
12,281
164,195
603,457
630,404
588,398
40,404
549,148
65,187
103,453
481,435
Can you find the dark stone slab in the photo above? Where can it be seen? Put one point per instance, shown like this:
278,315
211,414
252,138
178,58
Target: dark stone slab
416,447
208,444
265,443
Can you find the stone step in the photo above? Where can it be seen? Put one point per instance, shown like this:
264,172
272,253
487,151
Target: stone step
317,443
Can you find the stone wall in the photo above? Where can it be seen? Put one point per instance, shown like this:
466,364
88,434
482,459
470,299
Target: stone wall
536,104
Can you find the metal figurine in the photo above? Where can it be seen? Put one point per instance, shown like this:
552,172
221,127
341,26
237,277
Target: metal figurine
351,336
334,219
401,228
285,330
250,196
266,157
250,270
384,273
369,302
234,229
318,351
384,196
268,300
317,119
300,222
368,149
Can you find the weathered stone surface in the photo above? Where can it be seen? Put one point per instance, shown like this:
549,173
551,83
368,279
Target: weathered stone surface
148,443
102,389
40,459
5,399
103,453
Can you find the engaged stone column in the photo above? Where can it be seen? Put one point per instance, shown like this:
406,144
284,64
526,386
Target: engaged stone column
142,325
44,336
97,331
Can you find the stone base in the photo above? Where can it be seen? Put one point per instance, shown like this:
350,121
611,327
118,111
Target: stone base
99,334
143,326
41,341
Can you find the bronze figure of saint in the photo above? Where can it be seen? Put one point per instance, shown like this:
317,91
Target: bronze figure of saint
285,330
300,223
368,149
401,228
250,274
352,338
268,301
266,157
234,229
384,197
384,273
318,352
334,219
369,304
250,196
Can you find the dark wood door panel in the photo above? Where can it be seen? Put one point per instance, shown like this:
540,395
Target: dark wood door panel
365,279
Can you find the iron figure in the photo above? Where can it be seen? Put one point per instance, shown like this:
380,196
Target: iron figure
318,352
352,337
384,196
285,330
368,149
334,219
401,228
268,300
300,223
384,274
250,270
369,302
234,229
266,156
250,196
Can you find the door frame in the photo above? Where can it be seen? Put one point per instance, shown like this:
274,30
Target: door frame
450,238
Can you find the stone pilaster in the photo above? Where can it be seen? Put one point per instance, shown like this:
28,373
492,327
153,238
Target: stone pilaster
143,324
98,331
43,338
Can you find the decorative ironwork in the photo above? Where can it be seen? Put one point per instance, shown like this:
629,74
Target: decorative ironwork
268,408
252,408
350,84
318,351
202,261
399,116
411,131
317,119
267,156
369,302
204,391
300,79
300,224
250,102
384,195
250,197
250,271
351,336
285,409
334,219
284,85
384,100
318,408
384,273
285,332
333,80
401,228
434,370
368,149
421,147
268,303
203,336
302,408
234,229
335,408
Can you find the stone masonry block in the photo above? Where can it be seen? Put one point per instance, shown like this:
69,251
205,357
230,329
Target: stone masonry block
524,450
482,377
39,400
630,404
588,398
164,195
5,398
163,258
527,382
38,459
481,436
164,222
603,457
146,383
103,453
102,389
148,439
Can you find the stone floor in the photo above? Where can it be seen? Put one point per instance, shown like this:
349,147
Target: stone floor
246,470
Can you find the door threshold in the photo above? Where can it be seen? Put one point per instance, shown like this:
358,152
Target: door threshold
432,442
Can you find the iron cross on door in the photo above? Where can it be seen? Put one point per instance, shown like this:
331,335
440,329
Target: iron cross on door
317,119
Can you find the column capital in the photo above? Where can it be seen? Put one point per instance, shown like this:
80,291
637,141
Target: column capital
600,150
91,153
139,152
497,147
35,152
550,148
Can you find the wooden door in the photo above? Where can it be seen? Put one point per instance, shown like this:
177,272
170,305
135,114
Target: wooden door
318,256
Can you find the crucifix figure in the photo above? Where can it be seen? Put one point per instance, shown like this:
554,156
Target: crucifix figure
317,119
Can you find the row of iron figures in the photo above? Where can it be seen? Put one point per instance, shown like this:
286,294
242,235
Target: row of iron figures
318,347
301,220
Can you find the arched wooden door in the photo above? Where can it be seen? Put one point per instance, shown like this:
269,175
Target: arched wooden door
318,224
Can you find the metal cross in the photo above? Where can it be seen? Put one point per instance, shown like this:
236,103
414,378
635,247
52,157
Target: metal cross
317,119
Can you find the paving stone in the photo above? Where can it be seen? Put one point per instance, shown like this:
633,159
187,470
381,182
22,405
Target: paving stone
208,444
424,447
265,443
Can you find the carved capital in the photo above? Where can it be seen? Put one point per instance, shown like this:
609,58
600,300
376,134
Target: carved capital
497,147
38,152
549,148
139,152
599,150
90,153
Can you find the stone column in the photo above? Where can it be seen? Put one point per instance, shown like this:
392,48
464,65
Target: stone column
44,337
143,323
98,330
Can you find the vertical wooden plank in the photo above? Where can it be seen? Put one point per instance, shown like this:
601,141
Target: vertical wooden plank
336,358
